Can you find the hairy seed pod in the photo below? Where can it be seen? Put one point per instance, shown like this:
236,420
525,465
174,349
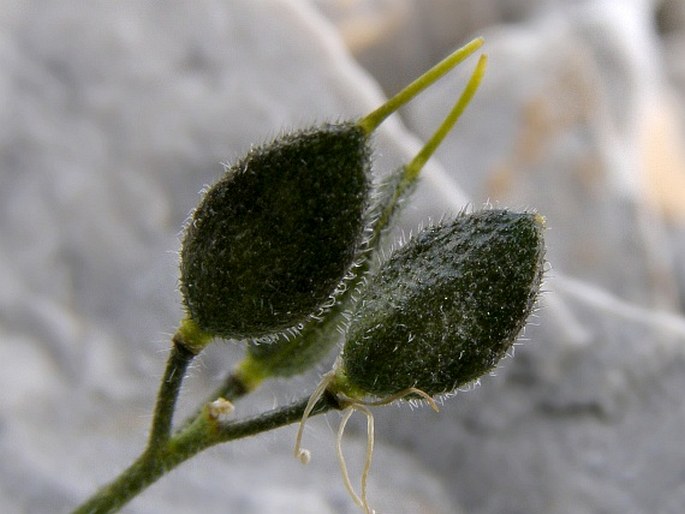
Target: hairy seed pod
271,240
446,307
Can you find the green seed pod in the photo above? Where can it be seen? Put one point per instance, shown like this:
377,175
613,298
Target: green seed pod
446,307
271,242
272,239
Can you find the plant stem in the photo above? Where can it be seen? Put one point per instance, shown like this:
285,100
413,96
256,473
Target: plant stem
177,364
116,494
275,418
204,432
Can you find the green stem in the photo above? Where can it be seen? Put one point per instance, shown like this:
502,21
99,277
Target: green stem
177,364
204,432
143,472
273,419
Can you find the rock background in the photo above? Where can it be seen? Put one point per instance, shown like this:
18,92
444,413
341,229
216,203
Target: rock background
114,116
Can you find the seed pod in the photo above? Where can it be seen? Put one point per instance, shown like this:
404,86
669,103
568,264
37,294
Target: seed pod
446,307
270,243
272,239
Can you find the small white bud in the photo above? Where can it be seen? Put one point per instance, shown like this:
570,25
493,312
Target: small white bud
220,409
305,456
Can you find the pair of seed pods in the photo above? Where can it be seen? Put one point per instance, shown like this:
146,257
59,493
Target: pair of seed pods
286,240
272,241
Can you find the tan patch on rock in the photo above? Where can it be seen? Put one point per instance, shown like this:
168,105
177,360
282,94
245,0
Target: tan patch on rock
663,161
567,100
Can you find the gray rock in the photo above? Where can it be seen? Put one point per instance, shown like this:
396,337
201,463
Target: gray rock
396,40
114,116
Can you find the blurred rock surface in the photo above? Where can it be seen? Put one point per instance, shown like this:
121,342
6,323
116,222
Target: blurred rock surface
117,113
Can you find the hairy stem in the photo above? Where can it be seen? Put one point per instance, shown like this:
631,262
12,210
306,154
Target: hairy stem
177,364
204,432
